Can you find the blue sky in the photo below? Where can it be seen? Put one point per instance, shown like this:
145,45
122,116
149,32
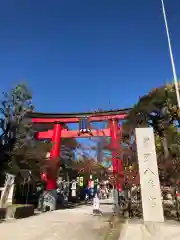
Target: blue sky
86,54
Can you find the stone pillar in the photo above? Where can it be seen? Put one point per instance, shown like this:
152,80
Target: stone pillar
149,178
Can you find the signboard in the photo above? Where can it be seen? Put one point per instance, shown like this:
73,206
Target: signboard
73,193
149,178
81,181
73,189
73,186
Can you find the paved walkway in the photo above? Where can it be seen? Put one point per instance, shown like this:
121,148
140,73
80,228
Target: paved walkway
75,224
137,230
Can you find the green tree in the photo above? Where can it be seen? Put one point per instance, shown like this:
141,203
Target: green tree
18,147
158,109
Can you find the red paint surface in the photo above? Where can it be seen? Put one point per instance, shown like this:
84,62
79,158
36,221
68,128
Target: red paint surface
113,130
76,119
115,143
73,134
55,153
119,162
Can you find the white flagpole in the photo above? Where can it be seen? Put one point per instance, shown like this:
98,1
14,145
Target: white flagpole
171,54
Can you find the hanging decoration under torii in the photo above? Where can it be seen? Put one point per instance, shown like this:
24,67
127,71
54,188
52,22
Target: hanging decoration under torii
84,126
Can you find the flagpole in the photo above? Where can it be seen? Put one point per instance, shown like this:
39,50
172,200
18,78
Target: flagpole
171,55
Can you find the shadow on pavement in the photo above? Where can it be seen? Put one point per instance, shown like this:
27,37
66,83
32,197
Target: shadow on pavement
70,205
106,203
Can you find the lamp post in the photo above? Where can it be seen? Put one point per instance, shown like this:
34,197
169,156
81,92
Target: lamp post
171,54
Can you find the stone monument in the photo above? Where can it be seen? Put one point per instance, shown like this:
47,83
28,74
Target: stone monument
47,201
149,178
8,190
153,227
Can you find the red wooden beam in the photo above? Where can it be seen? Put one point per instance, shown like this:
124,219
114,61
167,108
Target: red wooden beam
73,134
76,119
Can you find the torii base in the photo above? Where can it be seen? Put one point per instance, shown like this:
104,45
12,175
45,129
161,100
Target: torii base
48,201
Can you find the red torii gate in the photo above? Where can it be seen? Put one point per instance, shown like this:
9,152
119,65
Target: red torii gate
54,131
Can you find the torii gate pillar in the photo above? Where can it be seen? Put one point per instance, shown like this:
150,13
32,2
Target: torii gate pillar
54,154
115,144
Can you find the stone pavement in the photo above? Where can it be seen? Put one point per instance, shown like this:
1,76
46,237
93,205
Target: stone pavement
137,230
67,224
